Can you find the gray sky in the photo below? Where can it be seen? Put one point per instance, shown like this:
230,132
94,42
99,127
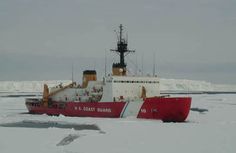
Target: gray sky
40,39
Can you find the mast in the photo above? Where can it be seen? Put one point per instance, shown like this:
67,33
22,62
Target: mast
122,50
105,64
72,72
154,64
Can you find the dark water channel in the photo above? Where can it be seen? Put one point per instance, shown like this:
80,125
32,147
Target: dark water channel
51,124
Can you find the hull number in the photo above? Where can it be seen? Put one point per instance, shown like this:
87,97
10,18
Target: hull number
143,110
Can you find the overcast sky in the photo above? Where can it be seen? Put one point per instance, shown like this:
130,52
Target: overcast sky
191,39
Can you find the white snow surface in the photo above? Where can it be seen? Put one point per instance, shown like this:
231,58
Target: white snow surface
212,131
171,85
194,86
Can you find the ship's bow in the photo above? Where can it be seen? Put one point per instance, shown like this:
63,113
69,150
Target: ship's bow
167,109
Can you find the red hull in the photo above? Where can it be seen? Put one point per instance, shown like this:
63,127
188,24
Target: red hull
165,109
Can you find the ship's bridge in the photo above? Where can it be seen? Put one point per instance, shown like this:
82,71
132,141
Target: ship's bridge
134,87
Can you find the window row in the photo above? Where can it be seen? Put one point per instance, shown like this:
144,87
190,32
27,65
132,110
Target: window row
121,81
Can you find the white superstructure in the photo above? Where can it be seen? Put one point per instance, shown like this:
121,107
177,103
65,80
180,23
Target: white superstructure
112,88
117,88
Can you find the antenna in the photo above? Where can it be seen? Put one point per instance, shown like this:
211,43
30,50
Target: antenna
72,72
121,29
136,65
142,65
117,36
154,64
105,63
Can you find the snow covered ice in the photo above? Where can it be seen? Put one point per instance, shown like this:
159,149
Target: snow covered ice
172,85
210,128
